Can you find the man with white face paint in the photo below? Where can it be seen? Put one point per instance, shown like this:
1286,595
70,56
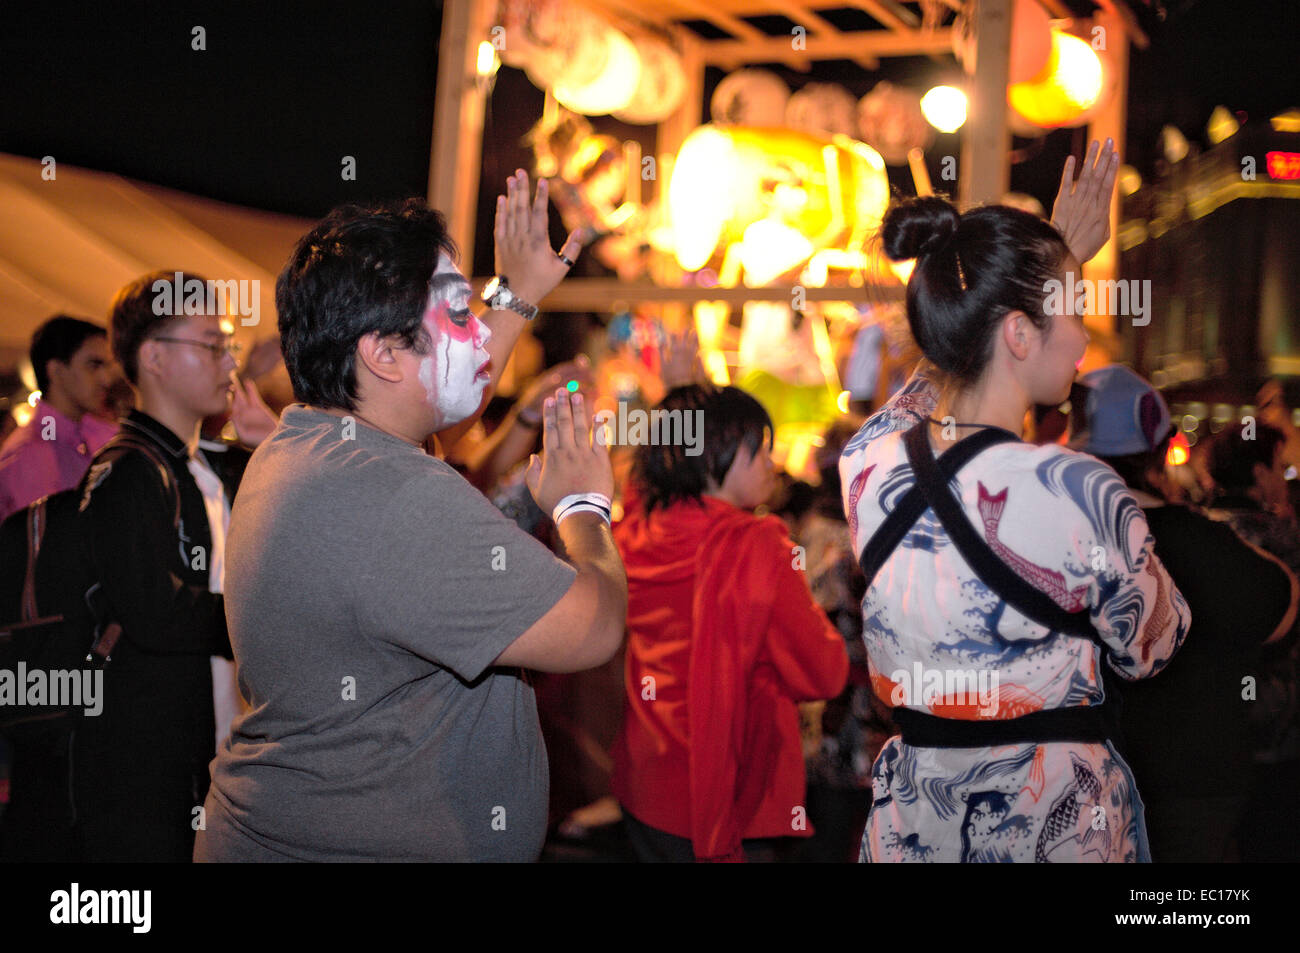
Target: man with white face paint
380,609
455,374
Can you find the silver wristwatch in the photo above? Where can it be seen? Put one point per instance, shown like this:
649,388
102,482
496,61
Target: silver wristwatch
498,296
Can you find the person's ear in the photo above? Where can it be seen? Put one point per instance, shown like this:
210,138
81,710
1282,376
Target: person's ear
149,359
1017,334
379,355
54,371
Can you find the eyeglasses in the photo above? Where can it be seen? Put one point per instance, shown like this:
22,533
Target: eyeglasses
217,350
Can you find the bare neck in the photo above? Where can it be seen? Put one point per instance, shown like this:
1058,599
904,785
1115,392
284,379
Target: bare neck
982,404
183,424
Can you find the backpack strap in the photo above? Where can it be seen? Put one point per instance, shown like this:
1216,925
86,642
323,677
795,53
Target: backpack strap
130,441
996,574
35,524
909,509
107,630
1083,724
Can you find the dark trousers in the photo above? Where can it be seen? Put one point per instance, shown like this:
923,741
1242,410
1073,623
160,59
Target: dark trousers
38,826
653,846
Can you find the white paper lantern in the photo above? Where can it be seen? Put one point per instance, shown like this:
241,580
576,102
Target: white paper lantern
750,97
613,86
571,45
891,122
827,108
662,85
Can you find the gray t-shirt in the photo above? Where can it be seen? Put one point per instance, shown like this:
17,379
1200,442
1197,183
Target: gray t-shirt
368,590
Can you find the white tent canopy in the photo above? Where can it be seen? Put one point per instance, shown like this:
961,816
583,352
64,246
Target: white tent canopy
68,243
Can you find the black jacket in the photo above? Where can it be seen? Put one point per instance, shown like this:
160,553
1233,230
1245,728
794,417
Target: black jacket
141,767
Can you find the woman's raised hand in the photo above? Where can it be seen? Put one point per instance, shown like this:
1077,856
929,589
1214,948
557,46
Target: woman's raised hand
1081,212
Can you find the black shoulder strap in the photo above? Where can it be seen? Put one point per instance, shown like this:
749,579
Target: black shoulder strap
909,509
132,442
35,524
996,574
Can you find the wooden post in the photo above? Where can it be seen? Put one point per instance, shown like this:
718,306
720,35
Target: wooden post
456,155
1109,122
670,135
985,175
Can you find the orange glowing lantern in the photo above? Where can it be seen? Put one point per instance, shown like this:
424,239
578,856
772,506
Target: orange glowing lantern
1064,90
831,190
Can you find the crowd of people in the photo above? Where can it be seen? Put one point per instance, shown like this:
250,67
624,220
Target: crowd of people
327,636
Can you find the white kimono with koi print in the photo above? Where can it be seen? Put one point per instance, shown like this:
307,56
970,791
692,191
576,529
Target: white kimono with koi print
1068,525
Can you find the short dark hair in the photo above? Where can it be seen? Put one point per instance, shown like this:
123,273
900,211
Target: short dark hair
666,474
58,339
133,319
1232,457
970,271
360,270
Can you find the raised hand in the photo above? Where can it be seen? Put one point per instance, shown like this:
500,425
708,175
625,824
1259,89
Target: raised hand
263,358
572,461
1081,212
523,247
253,420
680,360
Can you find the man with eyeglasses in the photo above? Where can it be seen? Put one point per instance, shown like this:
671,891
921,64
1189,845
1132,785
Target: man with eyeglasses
155,523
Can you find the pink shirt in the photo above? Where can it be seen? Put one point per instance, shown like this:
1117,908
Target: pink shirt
51,453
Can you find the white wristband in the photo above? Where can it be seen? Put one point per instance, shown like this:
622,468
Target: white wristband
597,503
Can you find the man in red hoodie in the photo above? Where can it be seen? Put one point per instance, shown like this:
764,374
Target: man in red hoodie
724,639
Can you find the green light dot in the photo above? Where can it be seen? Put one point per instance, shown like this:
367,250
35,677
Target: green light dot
573,387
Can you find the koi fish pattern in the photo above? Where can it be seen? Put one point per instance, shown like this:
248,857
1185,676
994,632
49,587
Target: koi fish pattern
1065,523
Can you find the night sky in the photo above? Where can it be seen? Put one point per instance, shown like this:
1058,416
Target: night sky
264,116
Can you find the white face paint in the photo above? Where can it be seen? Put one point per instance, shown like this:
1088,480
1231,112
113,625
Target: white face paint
450,373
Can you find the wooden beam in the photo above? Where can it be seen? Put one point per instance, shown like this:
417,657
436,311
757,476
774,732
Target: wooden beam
809,19
669,136
893,15
984,173
600,294
456,154
672,132
700,10
1121,9
868,43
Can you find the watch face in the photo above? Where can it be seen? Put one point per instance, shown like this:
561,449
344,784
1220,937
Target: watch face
491,288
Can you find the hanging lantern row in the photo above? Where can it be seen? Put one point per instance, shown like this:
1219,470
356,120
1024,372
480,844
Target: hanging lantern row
888,118
590,66
593,68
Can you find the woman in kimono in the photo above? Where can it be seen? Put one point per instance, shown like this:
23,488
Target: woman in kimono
990,619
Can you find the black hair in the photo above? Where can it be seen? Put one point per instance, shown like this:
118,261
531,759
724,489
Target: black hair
133,317
799,498
1232,457
970,271
360,270
732,419
1134,468
58,339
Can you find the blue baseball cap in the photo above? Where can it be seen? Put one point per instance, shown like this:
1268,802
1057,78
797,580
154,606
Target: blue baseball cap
1123,414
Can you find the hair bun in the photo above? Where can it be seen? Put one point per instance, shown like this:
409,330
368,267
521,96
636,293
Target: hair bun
918,226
